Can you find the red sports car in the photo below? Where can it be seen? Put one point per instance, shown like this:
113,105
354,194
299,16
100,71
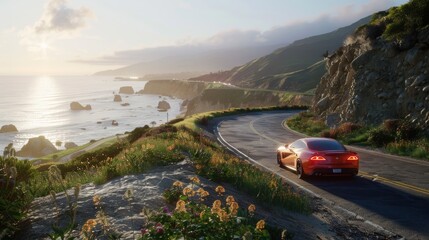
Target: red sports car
318,156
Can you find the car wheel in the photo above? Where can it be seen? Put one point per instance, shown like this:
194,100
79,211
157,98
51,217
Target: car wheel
300,170
279,162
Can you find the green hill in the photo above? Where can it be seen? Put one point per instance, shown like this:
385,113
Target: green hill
286,68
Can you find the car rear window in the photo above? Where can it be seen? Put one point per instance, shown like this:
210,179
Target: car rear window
325,145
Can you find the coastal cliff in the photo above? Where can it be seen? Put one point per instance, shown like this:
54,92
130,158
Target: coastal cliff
203,96
373,77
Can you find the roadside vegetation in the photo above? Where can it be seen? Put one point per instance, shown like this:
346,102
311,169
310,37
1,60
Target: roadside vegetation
401,24
393,136
143,149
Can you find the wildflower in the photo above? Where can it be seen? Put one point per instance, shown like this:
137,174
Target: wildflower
223,216
54,174
220,190
180,206
233,209
159,228
144,231
165,209
195,180
217,204
171,148
251,208
188,192
260,225
230,199
177,184
203,194
96,200
202,214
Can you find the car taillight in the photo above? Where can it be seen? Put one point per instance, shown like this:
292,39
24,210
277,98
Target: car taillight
317,158
353,158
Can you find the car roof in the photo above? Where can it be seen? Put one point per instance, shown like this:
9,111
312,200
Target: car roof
311,139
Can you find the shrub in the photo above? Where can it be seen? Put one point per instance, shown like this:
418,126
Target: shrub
137,133
407,131
331,133
348,127
380,137
391,125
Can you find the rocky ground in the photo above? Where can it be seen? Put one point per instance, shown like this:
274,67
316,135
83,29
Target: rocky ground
126,216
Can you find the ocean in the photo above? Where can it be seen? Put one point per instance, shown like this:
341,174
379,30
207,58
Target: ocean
41,106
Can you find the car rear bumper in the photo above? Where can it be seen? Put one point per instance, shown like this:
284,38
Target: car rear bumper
334,171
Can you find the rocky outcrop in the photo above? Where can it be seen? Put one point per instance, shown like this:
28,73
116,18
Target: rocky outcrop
69,145
176,88
163,105
37,147
126,90
369,80
117,98
75,106
8,128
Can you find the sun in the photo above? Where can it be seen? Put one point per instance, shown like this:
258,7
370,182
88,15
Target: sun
44,46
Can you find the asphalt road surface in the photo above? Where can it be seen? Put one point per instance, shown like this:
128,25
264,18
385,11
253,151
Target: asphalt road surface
391,192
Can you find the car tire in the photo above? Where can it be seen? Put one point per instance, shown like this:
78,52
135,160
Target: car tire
279,162
300,170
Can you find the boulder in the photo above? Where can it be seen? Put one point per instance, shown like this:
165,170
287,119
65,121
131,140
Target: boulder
115,123
117,98
125,104
37,147
69,145
126,90
8,128
163,105
75,106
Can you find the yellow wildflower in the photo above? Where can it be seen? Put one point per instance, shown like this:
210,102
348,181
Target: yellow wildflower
251,208
171,148
180,206
196,180
233,208
188,192
220,190
177,184
217,203
230,199
96,200
223,216
260,225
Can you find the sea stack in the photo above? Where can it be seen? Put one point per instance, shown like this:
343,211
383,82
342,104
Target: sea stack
75,106
8,128
126,90
37,147
117,98
163,105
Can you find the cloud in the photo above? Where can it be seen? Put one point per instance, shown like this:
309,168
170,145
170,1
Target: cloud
58,17
276,36
58,21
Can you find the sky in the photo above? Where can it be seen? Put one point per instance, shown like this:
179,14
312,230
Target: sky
80,37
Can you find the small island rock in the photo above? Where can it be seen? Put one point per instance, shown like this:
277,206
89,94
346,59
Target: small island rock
117,98
37,147
69,145
8,128
77,106
163,105
126,90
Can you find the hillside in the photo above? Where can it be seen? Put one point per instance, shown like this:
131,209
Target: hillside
382,71
296,62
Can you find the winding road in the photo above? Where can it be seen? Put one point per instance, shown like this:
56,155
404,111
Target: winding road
390,192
